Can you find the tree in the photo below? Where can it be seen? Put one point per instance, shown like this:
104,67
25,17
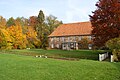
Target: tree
31,35
33,21
2,22
114,45
23,22
52,23
84,43
10,22
40,28
105,21
18,38
5,39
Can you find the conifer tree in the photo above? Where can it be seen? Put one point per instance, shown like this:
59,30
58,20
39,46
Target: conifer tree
40,28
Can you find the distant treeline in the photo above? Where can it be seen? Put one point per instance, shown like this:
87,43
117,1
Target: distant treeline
21,33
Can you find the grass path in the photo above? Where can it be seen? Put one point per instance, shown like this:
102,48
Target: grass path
18,67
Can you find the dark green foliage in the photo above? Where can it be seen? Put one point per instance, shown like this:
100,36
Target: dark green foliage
40,28
10,22
41,17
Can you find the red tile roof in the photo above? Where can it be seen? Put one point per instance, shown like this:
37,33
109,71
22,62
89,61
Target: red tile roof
71,29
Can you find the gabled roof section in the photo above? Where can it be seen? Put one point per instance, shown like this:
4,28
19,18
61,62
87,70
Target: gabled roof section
72,29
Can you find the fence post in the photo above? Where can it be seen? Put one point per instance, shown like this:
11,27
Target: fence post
100,57
111,58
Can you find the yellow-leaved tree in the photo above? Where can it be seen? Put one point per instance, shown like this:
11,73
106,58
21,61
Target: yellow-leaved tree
31,35
18,38
5,40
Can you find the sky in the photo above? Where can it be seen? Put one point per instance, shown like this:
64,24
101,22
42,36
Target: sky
68,11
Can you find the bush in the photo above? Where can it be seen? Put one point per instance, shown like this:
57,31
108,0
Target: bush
84,43
114,45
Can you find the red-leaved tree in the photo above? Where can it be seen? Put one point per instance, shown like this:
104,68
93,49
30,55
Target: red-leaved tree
105,21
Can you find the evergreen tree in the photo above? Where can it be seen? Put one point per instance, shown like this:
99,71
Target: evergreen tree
105,21
40,28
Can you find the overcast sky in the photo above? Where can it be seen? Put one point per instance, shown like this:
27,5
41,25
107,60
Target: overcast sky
66,10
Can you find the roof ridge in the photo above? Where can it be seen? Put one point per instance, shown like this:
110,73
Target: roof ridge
76,22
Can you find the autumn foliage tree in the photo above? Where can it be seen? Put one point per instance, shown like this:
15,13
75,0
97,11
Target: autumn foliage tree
5,39
33,22
21,33
19,40
105,21
2,22
31,35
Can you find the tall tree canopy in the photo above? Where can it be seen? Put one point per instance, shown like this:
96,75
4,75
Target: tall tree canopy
2,22
10,22
33,21
40,24
105,21
52,23
40,28
21,32
18,38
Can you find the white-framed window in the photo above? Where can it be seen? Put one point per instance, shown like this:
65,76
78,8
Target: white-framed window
52,45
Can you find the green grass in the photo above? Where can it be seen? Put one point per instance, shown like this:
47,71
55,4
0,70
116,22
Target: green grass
79,54
19,67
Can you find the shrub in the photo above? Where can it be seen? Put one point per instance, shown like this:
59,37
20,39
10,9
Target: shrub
114,45
84,43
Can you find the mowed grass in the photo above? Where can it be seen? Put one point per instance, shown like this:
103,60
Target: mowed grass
79,54
19,67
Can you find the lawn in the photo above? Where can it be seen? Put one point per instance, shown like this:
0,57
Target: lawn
78,54
20,67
